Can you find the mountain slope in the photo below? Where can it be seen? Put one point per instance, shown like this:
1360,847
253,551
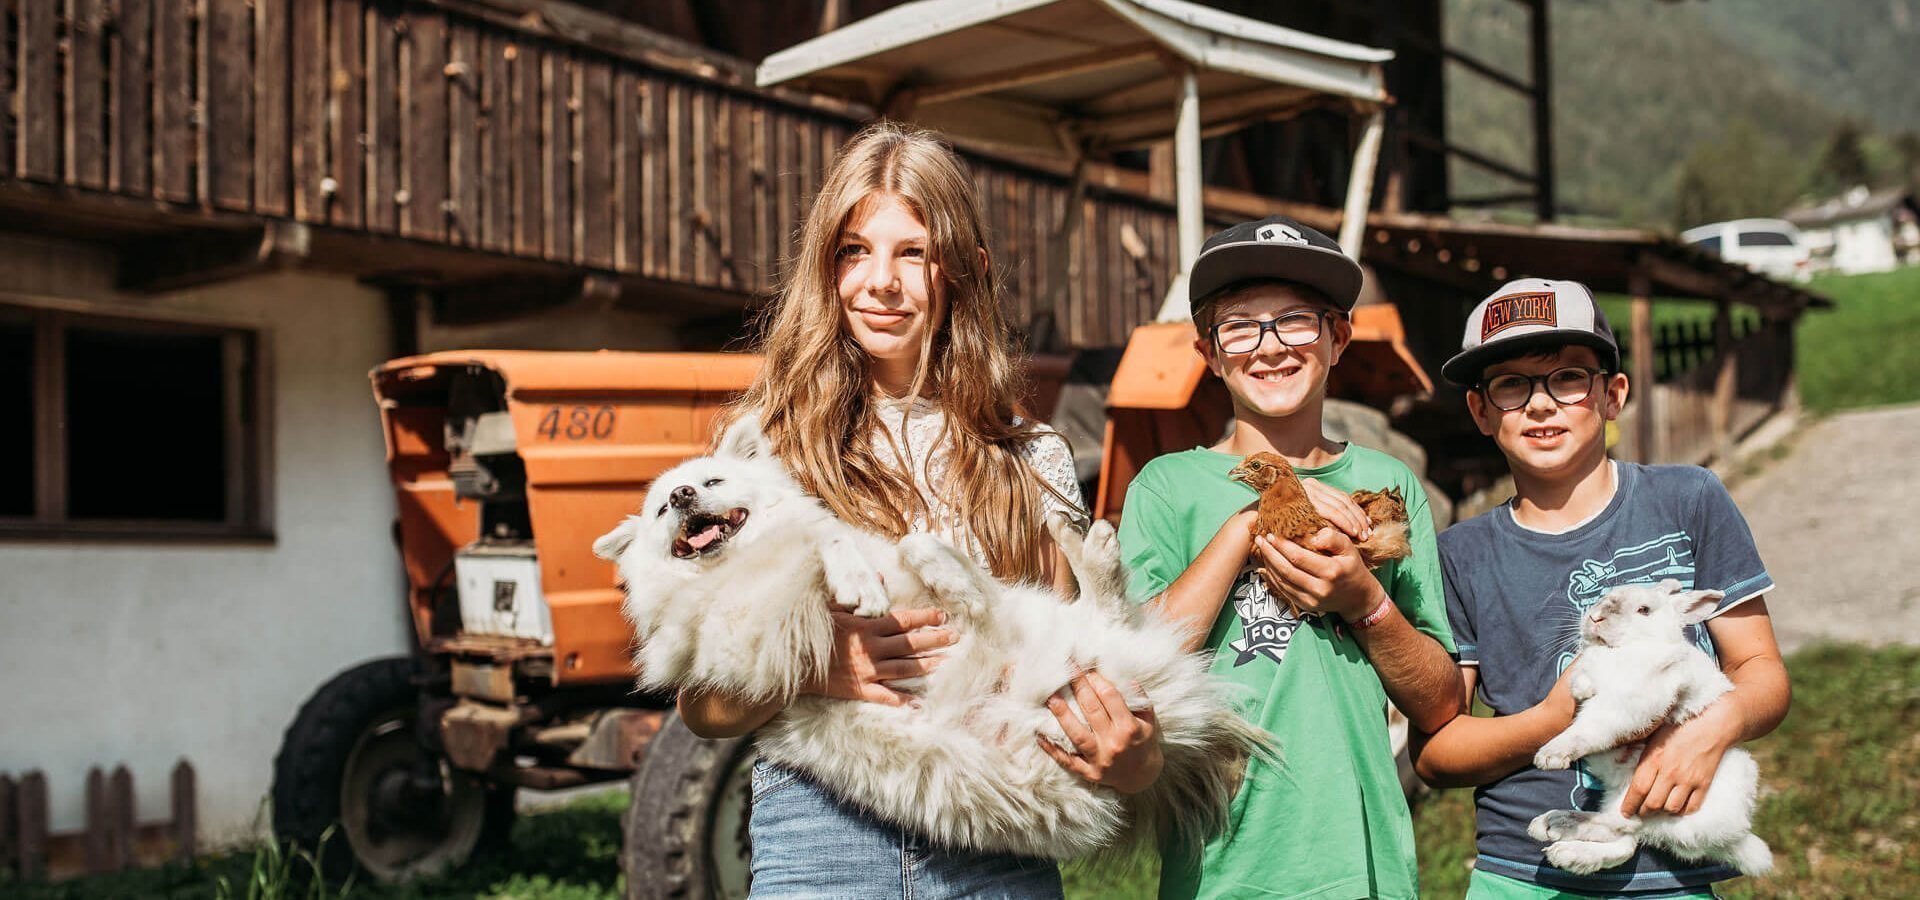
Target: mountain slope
1639,85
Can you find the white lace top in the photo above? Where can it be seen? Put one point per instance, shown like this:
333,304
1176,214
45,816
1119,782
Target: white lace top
916,429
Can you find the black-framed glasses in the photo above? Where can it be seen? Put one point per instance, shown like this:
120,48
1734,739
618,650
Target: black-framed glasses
1566,385
1295,329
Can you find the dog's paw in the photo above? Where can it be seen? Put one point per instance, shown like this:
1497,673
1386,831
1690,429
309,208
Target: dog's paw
921,551
1541,828
855,585
1061,527
1557,754
1102,543
867,596
1580,687
947,574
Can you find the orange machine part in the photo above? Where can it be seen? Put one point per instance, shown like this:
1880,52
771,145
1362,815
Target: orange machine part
594,429
1163,399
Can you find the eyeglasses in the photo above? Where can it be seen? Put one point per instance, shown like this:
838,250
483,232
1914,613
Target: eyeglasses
1239,336
1566,385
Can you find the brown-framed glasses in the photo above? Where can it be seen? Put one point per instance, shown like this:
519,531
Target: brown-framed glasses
1566,385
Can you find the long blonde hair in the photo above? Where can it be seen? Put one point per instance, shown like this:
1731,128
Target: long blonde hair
814,394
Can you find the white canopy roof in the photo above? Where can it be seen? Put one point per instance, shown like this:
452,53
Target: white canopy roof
1053,75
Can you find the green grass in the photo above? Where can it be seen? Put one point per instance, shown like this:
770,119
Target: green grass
1863,352
1840,786
568,853
1840,803
1866,351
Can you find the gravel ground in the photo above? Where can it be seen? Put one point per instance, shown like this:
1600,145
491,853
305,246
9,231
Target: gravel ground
1835,523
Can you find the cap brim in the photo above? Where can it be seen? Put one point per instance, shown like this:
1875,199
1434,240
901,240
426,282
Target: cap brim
1328,271
1464,369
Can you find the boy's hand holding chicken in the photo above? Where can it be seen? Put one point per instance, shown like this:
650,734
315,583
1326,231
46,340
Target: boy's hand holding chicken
1317,544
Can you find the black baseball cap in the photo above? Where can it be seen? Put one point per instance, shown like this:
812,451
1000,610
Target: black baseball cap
1531,314
1275,248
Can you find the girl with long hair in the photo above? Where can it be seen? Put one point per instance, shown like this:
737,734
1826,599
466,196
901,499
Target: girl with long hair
888,388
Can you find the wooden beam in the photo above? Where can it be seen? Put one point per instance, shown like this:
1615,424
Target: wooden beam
1483,200
605,33
1485,162
1478,66
1542,43
1646,442
1360,184
1187,180
1065,67
32,841
1147,126
1725,380
205,256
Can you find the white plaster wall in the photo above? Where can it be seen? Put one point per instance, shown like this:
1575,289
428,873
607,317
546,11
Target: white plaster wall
1864,245
144,654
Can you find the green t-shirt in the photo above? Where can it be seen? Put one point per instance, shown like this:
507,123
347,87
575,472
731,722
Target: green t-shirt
1329,820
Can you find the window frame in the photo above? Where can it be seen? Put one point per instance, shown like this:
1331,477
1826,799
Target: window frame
1785,239
247,431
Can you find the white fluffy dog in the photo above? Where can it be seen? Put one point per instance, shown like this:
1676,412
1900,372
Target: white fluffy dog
731,570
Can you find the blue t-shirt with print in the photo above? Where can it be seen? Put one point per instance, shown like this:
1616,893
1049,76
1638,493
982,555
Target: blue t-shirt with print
1515,598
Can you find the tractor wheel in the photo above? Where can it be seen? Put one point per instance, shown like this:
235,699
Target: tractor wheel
686,822
352,771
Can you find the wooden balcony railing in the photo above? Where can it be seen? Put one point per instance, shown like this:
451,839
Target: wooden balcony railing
458,124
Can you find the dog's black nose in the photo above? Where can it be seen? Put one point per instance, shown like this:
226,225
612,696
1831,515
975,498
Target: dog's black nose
682,496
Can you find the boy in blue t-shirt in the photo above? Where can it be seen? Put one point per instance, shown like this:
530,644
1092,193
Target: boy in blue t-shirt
1543,376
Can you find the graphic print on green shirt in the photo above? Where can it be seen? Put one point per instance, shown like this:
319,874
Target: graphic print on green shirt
1329,819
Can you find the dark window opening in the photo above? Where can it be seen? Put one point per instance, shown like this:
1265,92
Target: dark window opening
16,417
1711,245
114,426
146,425
1764,239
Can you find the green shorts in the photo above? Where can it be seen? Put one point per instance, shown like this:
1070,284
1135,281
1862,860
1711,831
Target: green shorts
1488,886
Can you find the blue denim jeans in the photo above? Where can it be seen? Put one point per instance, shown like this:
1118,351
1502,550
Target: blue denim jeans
807,844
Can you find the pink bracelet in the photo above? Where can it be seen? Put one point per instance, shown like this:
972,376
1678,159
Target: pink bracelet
1378,615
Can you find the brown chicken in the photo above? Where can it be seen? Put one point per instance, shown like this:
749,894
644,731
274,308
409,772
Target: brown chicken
1287,512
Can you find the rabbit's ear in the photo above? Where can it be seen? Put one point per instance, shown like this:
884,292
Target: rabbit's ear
744,440
609,546
1696,606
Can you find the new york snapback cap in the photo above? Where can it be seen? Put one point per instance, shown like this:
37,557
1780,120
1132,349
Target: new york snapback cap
1530,314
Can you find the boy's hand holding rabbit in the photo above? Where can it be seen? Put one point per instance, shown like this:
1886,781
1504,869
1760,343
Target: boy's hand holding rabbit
1680,760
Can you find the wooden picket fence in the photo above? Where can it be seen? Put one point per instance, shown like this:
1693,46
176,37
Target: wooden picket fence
113,839
1682,346
1702,402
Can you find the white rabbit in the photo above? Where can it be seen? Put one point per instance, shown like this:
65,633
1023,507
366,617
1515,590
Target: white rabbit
1637,669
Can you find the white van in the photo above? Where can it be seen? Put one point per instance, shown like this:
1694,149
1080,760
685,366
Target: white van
1769,246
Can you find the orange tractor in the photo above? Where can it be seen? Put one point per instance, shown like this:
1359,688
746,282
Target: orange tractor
506,465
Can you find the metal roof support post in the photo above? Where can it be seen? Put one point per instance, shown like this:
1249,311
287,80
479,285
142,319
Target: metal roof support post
1353,221
1187,184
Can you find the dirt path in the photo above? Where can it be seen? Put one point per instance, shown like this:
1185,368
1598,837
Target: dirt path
1836,525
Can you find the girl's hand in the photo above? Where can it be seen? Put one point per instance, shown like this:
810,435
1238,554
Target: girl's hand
1679,761
1116,746
869,653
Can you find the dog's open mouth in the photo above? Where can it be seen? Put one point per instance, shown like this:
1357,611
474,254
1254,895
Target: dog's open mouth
701,533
